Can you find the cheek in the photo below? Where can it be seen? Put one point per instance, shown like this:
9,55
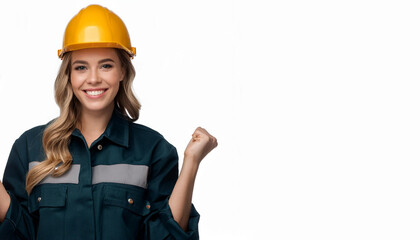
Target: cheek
116,86
115,79
75,81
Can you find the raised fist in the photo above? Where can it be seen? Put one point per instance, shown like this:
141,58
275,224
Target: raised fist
200,145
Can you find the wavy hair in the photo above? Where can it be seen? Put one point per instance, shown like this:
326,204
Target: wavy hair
57,134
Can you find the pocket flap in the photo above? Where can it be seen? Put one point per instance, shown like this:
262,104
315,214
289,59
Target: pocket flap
132,200
47,196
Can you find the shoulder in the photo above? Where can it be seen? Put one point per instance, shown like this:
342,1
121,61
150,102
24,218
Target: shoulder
32,134
149,137
35,131
145,132
136,131
28,146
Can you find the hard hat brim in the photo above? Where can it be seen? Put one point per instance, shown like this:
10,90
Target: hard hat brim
74,47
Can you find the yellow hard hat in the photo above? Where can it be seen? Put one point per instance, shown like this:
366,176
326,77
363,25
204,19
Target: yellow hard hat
96,27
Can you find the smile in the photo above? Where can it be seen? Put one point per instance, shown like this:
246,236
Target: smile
94,92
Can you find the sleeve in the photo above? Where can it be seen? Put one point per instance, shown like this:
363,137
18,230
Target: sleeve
160,224
18,224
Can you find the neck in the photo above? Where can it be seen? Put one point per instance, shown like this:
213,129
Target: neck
92,124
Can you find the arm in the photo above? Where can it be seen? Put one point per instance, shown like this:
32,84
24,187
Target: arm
16,221
4,202
180,201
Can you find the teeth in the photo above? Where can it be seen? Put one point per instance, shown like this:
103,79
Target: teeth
95,93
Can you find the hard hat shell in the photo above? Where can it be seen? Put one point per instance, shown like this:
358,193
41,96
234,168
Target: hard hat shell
96,27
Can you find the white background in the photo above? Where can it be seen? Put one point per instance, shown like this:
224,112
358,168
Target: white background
315,105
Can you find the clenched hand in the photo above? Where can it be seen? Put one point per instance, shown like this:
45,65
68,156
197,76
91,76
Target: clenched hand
200,145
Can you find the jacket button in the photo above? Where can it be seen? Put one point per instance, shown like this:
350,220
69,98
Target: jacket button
130,201
99,147
39,199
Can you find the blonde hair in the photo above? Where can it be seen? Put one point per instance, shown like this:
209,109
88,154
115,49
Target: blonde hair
57,134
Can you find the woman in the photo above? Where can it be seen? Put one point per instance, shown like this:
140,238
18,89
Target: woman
93,173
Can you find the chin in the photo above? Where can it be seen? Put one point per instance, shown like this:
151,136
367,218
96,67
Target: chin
98,108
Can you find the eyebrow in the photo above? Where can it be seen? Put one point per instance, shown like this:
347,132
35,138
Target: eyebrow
100,61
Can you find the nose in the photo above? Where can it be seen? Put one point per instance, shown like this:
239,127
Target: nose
93,77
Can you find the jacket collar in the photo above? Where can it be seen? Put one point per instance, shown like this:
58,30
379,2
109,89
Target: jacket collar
117,130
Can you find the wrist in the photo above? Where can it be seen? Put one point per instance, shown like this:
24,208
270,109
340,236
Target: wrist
190,164
4,203
192,158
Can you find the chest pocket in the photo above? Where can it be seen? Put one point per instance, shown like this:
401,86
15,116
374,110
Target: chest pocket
132,200
124,208
47,204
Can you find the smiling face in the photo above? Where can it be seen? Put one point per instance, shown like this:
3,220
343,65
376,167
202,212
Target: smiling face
95,77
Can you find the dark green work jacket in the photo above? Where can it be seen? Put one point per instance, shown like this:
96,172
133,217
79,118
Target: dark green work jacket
116,189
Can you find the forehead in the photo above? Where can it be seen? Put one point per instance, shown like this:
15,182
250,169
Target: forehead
94,54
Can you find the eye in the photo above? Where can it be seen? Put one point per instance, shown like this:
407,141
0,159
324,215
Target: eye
107,66
80,68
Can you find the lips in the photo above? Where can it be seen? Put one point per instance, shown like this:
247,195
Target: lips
94,92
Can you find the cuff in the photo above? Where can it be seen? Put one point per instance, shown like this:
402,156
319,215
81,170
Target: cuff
8,226
173,227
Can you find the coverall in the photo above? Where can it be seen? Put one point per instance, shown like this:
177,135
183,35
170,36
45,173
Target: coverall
116,189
